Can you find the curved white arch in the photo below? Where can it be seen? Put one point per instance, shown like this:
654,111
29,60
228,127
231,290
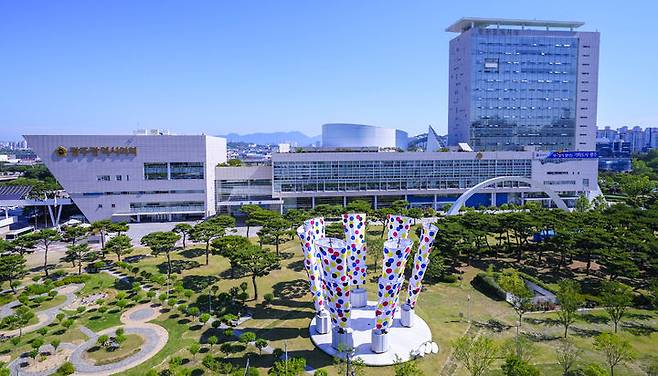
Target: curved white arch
534,184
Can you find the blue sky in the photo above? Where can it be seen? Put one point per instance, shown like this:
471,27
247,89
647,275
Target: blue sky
246,66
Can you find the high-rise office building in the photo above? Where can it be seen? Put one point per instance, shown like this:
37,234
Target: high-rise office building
518,83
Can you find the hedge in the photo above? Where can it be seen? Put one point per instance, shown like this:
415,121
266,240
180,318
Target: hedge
82,278
487,285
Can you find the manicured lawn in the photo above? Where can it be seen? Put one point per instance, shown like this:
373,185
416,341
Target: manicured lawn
98,321
104,356
98,282
180,337
57,300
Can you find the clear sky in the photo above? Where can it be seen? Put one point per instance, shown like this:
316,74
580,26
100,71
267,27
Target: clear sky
246,66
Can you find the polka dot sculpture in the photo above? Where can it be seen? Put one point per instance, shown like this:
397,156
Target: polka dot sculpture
421,260
335,254
398,226
311,231
396,253
354,225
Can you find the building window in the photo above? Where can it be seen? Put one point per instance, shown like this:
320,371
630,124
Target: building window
103,177
114,205
155,171
186,170
118,178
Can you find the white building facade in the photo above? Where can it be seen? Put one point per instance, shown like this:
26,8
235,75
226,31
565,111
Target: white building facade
340,135
137,177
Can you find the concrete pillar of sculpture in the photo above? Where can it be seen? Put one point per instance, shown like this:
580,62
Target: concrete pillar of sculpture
334,254
379,341
354,225
407,316
322,322
398,226
421,261
311,231
359,298
395,254
342,339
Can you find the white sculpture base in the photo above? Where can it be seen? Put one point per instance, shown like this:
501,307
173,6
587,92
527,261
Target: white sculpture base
323,322
401,340
359,298
407,316
342,341
379,342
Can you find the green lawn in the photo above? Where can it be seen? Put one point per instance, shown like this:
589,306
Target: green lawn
98,321
445,308
50,303
103,356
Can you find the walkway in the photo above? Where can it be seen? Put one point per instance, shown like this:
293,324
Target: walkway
135,322
46,316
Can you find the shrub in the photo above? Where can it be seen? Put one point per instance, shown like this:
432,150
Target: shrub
42,331
15,341
80,309
487,285
228,332
321,372
268,298
247,337
69,279
40,288
210,362
102,340
37,343
215,324
120,331
66,369
52,293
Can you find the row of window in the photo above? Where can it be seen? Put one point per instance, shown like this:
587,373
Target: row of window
391,175
171,206
174,191
559,182
109,177
173,171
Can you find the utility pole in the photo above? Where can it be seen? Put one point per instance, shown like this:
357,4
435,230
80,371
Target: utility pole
246,368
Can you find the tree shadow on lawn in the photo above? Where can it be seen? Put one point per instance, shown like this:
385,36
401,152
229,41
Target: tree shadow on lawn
493,325
638,316
638,329
279,333
595,319
294,289
272,313
192,252
177,266
580,332
297,266
198,282
232,273
546,321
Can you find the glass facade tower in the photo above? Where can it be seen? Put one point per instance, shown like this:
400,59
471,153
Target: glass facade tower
512,87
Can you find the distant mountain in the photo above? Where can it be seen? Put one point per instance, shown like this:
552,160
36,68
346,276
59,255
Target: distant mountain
294,138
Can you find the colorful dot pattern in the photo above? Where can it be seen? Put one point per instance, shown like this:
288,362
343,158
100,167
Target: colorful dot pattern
396,253
354,225
398,226
335,254
421,260
311,231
